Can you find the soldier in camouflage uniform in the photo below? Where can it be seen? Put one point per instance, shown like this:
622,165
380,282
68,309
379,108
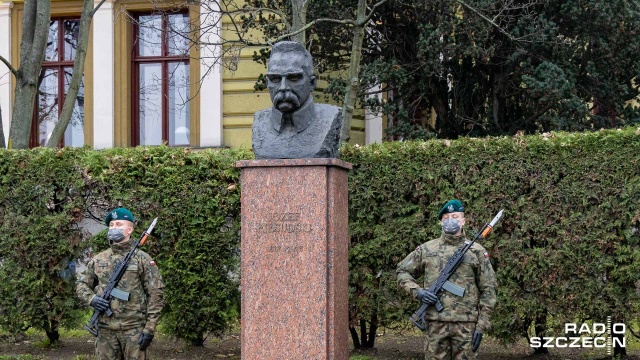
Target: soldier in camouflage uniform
129,331
457,330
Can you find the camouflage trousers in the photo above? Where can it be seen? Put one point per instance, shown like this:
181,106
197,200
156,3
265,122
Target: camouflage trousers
448,340
119,345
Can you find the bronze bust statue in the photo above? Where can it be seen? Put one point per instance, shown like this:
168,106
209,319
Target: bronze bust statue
295,127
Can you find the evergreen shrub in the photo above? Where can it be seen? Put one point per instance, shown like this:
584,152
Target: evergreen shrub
565,251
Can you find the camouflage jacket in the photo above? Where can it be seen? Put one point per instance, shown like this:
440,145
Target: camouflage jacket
142,280
474,274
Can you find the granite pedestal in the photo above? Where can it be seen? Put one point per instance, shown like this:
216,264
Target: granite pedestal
294,259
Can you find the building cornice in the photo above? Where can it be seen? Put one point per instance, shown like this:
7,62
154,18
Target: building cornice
6,5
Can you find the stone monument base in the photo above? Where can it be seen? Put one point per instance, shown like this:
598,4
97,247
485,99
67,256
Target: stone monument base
294,259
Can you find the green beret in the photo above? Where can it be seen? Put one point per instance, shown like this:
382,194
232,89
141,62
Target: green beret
449,207
119,214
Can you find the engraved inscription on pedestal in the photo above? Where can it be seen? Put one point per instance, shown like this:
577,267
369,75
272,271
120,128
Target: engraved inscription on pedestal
284,228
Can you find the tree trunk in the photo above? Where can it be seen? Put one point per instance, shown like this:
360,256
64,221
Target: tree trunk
498,88
299,19
353,80
619,351
51,329
2,145
373,328
540,328
198,340
355,338
367,339
76,77
35,31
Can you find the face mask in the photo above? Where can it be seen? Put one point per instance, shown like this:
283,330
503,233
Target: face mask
115,235
451,226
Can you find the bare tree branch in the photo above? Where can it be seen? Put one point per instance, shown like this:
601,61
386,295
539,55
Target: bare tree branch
282,16
349,22
313,23
11,68
371,13
2,145
542,111
474,10
96,8
353,76
77,74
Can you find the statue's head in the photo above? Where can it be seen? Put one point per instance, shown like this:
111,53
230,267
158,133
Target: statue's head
290,77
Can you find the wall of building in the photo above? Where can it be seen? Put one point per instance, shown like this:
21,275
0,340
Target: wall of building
225,100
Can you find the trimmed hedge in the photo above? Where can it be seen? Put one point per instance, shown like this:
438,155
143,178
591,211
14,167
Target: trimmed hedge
40,205
567,246
196,197
44,194
566,250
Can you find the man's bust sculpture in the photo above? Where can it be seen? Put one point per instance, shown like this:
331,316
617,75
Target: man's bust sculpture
295,127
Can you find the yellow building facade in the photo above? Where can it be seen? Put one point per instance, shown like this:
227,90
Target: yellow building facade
145,83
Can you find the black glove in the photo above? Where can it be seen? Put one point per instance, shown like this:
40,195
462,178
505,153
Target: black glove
426,297
99,303
475,342
145,341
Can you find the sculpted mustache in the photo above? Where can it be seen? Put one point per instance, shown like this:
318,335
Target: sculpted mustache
287,96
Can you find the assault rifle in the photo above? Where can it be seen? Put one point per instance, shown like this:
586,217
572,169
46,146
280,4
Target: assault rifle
110,291
442,282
